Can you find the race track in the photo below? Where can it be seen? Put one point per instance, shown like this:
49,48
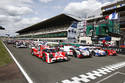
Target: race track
41,72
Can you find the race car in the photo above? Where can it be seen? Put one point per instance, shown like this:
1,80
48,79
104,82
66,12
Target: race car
20,44
97,51
10,41
68,50
49,55
110,52
81,52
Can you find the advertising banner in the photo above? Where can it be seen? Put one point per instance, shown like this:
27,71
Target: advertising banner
72,33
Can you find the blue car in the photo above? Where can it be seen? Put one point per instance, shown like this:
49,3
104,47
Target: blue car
99,52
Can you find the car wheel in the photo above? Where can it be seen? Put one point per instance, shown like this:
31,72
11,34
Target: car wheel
32,52
93,53
106,53
67,59
90,55
74,54
44,57
114,54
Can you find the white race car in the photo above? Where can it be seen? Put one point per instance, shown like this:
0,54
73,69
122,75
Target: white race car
20,44
97,51
68,50
81,52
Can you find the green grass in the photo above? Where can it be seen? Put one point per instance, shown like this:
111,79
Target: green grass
4,55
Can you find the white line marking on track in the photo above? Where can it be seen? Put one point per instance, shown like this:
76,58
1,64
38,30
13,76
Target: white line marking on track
19,66
96,73
122,73
110,76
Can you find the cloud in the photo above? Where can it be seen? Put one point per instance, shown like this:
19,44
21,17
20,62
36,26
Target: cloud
45,1
14,10
58,7
106,3
15,7
25,22
84,8
13,15
19,14
4,19
26,1
15,2
12,23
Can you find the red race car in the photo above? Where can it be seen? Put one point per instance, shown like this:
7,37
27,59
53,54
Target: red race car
49,55
111,52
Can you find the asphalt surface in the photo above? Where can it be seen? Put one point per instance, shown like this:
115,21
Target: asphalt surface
11,74
41,72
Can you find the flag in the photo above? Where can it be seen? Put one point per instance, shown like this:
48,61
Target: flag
72,31
113,16
107,17
74,24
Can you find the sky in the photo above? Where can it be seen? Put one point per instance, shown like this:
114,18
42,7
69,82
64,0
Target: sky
19,14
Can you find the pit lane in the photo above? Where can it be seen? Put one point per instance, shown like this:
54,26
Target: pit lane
41,72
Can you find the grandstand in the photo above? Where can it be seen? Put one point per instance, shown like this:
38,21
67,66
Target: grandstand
56,28
98,27
118,7
53,29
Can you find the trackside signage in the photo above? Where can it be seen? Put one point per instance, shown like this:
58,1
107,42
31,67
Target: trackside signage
72,32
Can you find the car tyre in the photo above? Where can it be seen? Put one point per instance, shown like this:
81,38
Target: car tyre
93,53
32,52
74,54
44,57
90,55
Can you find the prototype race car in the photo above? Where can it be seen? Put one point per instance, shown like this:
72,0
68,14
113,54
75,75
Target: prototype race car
20,44
81,52
68,50
10,41
110,52
97,51
49,55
